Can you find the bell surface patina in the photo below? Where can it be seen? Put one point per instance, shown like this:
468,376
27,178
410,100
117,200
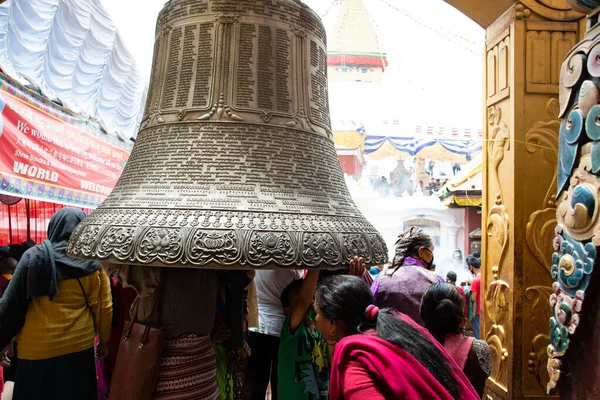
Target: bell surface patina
234,166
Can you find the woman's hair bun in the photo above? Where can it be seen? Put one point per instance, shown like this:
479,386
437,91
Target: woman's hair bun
442,308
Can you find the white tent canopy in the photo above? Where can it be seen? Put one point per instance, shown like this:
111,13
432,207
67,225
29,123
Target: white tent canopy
71,50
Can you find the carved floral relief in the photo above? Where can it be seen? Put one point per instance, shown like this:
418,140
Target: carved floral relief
498,231
557,10
497,309
542,140
539,315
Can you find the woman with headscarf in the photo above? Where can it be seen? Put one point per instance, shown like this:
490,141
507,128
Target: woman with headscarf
412,272
55,306
442,310
382,354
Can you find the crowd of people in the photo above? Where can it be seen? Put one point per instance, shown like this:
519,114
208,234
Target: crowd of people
366,333
407,182
435,185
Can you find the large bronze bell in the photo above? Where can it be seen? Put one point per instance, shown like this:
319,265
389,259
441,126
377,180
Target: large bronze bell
234,165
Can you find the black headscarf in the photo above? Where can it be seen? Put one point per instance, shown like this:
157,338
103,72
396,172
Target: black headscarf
50,261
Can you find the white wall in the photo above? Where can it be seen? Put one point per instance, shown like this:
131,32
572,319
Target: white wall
389,214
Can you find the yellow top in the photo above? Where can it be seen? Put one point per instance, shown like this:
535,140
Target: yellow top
65,325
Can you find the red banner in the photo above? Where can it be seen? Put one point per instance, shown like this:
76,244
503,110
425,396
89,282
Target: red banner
50,155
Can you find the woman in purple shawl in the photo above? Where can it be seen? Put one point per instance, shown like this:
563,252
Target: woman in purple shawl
403,284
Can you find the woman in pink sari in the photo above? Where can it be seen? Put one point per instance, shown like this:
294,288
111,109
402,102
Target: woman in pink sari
442,310
381,354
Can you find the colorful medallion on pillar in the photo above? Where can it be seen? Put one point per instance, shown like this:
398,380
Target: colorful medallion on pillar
578,230
583,6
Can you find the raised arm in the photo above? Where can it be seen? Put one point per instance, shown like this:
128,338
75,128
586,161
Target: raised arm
307,292
359,268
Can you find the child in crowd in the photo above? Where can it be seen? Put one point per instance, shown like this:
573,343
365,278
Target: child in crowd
303,367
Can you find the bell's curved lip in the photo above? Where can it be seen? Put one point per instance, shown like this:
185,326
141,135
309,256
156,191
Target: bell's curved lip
152,238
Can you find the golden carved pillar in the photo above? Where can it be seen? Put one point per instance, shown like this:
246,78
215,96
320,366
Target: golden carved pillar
525,48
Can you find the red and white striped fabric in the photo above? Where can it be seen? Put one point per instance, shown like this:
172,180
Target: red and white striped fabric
188,370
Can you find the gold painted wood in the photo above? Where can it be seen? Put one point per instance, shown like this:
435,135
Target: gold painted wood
524,51
348,139
484,12
487,12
